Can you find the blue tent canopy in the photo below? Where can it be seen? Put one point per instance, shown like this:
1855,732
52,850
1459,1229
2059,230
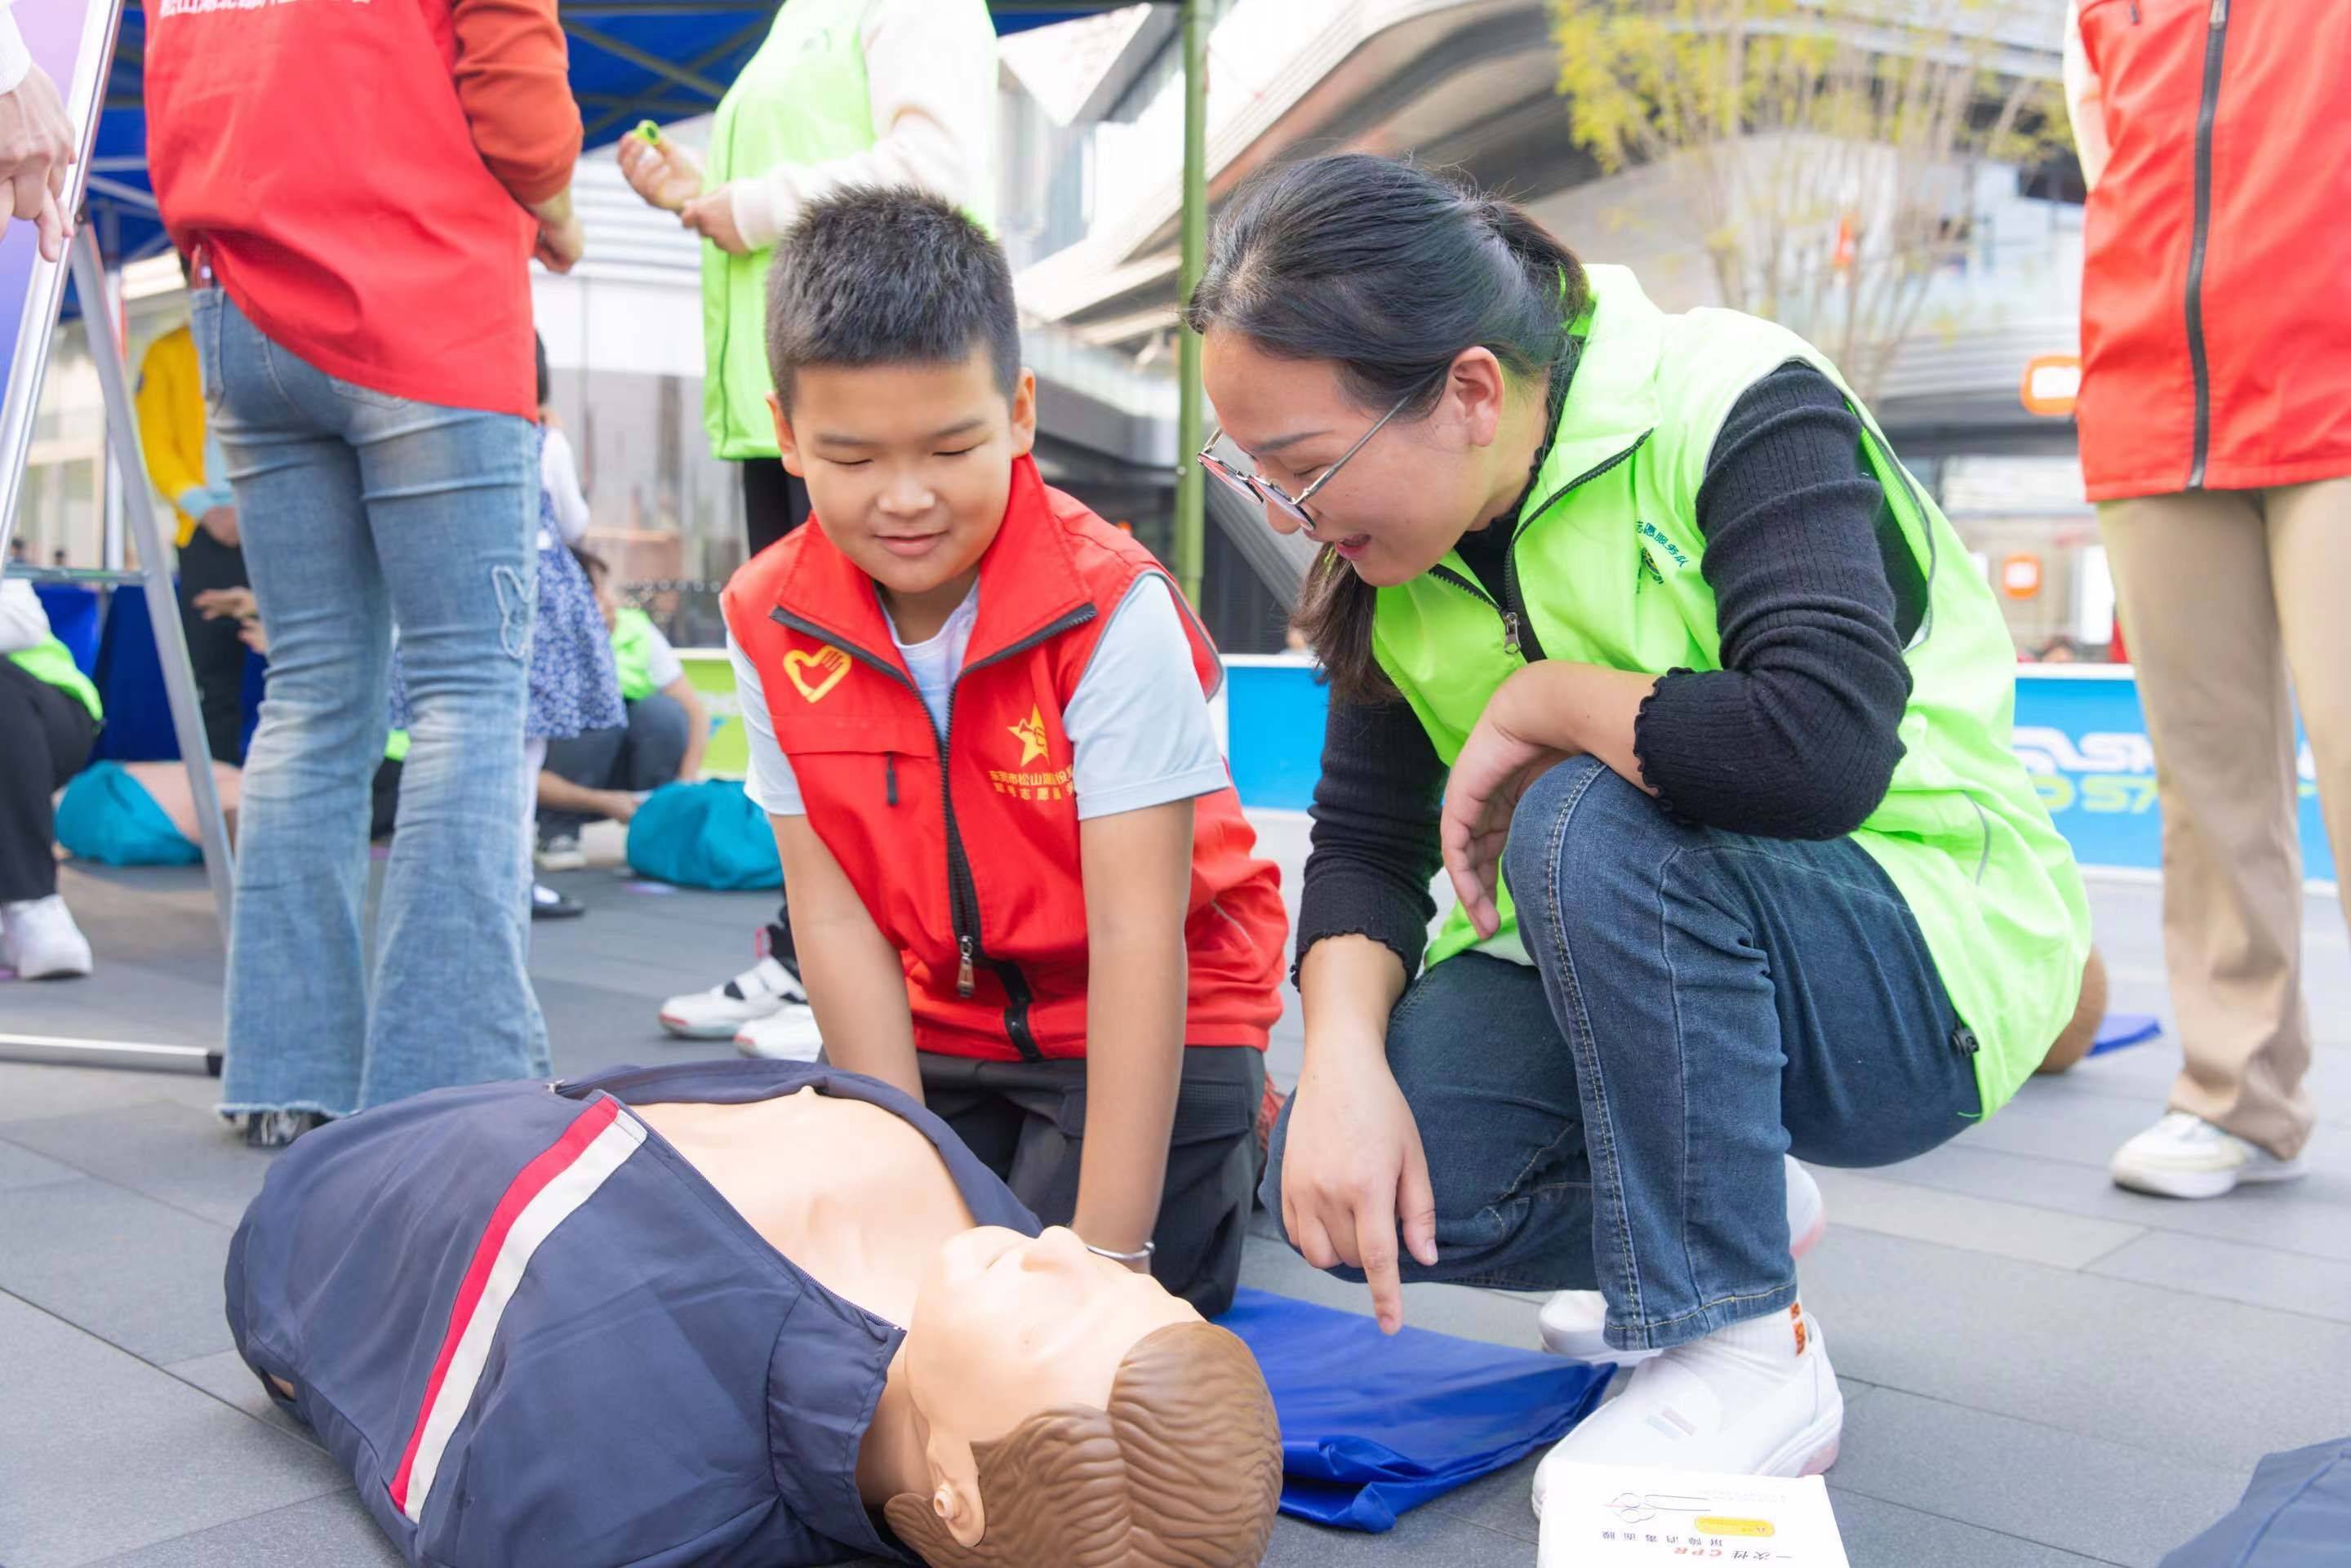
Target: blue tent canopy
631,60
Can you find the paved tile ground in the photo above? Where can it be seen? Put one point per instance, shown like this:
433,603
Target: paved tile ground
2041,1371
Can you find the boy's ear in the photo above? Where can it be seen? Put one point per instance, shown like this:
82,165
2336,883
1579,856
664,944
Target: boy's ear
1024,413
787,447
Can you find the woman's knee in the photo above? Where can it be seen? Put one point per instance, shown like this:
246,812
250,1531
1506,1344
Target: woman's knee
1578,831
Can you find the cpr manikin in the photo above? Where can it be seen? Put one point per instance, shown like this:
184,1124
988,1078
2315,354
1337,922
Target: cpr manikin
654,1318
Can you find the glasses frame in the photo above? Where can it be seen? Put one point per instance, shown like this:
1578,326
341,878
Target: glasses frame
1266,493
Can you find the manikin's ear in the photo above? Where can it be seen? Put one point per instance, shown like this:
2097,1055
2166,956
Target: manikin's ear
955,1488
1024,414
1474,392
786,445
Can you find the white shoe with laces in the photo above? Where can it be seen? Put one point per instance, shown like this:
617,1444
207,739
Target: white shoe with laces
1758,1398
42,941
2184,1156
720,1012
1572,1321
788,1034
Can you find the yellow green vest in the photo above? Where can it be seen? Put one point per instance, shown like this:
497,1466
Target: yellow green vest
802,100
1606,567
51,662
632,632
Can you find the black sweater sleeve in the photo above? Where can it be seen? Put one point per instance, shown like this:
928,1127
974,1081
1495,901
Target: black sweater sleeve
1374,843
1795,737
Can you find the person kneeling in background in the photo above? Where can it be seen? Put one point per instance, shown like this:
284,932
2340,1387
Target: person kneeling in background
604,772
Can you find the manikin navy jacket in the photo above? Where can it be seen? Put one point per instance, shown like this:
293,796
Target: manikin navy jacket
537,1338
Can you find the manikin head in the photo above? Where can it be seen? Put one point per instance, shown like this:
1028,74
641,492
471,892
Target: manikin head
1073,1412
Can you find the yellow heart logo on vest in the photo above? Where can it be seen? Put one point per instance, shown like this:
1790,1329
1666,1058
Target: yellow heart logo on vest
818,673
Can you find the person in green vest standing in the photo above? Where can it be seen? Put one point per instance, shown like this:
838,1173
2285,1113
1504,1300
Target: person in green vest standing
50,716
844,92
1634,624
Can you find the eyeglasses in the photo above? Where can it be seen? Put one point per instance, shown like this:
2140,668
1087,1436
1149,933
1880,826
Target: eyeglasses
1266,493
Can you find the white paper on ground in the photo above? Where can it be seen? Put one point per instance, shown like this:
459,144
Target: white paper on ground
1599,1516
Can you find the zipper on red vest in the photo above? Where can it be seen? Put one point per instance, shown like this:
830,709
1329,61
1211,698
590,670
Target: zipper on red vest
963,894
890,778
2216,38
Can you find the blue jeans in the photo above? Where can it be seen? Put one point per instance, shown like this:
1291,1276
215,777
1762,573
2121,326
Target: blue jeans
1613,1118
361,510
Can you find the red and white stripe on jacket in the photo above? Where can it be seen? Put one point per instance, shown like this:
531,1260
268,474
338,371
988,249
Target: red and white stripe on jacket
548,1191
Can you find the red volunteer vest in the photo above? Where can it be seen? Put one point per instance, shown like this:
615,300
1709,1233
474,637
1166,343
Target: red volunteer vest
2216,296
319,153
965,850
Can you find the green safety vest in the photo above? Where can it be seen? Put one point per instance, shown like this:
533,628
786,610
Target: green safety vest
632,632
51,662
1606,560
802,100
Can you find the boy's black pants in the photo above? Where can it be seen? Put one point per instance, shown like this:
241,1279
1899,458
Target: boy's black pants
1026,1123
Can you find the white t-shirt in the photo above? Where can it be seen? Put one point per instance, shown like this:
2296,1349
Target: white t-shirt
1139,729
663,666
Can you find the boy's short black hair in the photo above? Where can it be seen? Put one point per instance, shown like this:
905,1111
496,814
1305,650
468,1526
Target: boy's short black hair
888,276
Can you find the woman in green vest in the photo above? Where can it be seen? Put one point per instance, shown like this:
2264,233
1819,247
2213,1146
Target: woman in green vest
844,92
50,716
1634,625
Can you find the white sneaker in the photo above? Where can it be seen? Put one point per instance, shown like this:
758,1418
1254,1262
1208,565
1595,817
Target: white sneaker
43,943
562,852
2184,1156
718,1012
788,1034
1720,1407
1572,1321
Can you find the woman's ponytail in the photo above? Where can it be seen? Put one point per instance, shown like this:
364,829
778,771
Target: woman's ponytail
1389,271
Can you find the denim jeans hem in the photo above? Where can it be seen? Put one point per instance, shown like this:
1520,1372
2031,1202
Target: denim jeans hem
1698,1324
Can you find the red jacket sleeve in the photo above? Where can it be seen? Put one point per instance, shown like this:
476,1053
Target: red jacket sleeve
513,81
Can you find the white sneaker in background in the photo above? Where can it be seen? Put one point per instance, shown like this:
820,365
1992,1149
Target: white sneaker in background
788,1034
562,852
43,942
1758,1398
2184,1156
722,1010
1572,1321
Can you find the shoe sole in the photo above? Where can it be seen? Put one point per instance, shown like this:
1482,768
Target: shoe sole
2194,1184
563,863
684,1030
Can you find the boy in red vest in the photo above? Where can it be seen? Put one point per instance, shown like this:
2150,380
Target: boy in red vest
1022,889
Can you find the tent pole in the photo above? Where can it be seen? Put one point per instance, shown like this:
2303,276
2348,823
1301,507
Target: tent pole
1190,497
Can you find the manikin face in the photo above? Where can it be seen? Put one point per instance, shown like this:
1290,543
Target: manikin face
909,466
1006,1327
1405,499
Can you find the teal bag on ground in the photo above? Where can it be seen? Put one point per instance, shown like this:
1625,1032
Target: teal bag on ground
708,835
108,816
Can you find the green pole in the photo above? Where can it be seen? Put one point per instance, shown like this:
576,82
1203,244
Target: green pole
1191,499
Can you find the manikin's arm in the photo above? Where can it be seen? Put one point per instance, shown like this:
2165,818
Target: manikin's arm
1138,870
854,979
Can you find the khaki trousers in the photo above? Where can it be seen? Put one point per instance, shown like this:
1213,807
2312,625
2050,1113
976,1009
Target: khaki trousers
2222,593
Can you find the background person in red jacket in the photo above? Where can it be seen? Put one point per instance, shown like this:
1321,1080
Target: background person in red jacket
361,187
1022,887
2215,417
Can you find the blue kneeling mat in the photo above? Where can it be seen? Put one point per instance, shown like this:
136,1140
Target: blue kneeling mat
2117,1030
2296,1515
1373,1427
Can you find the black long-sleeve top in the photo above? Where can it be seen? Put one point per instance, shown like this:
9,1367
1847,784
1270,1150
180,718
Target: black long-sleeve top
1816,593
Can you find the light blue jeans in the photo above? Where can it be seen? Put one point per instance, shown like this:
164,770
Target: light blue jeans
361,510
